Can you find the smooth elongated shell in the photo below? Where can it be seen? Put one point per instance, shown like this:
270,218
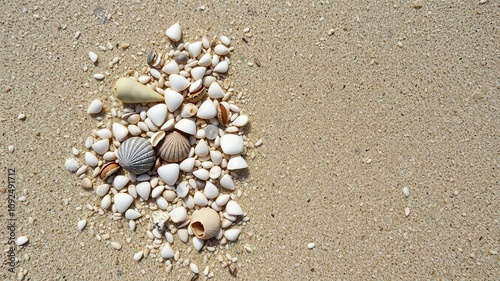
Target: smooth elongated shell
136,155
128,90
175,147
205,223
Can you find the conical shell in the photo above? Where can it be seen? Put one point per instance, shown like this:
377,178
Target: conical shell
136,155
205,223
175,147
127,90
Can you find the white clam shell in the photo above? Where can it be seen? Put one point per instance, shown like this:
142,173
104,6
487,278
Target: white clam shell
182,189
215,91
205,60
143,190
200,199
207,110
71,165
232,234
95,107
221,50
205,223
174,32
211,191
215,172
169,173
167,252
171,68
122,201
189,202
232,144
198,245
189,110
104,133
92,57
178,83
91,159
240,121
173,99
132,214
195,49
81,224
187,126
136,155
120,132
156,138
157,114
102,190
198,72
183,235
120,181
221,67
202,149
196,86
233,208
216,157
21,240
187,165
202,174
178,214
236,163
222,200
106,202
101,147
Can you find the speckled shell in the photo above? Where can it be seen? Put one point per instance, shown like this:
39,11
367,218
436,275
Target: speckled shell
175,147
136,155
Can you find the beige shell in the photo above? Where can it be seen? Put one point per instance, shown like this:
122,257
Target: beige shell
205,223
175,147
156,138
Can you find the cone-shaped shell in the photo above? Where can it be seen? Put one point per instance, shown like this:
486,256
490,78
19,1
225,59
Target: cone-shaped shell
136,155
205,223
127,90
175,147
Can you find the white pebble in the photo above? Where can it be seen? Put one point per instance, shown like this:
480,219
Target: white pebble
116,245
21,240
99,76
95,107
174,32
10,148
406,191
93,57
194,268
138,255
81,224
311,245
407,211
232,234
225,40
21,116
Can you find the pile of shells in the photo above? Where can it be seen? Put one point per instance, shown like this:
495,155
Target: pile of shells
168,158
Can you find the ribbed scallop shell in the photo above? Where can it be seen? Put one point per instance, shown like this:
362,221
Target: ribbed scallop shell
175,147
136,155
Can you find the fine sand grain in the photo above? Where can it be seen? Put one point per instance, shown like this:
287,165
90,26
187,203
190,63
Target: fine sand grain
354,101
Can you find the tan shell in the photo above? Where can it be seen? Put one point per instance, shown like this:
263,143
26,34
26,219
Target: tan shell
222,113
109,170
205,223
175,147
196,96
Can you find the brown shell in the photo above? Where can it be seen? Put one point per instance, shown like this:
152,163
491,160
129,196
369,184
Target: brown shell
175,147
222,114
196,96
109,170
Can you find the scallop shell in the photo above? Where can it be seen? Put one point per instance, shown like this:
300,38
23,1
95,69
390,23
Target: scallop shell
136,155
175,147
205,223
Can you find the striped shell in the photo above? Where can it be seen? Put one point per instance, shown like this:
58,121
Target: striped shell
136,155
175,147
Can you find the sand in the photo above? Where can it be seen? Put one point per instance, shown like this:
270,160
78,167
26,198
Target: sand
397,95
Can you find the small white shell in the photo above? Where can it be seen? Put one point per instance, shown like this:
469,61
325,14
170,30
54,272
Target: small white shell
106,202
205,223
221,67
236,163
143,190
195,49
187,165
156,138
198,72
167,252
201,149
136,155
233,208
132,214
122,202
198,245
92,57
173,100
120,132
178,83
169,173
227,182
21,240
232,144
215,91
120,181
95,107
189,110
174,32
187,126
232,234
91,159
182,189
205,60
71,165
101,146
207,110
157,114
221,50
200,199
178,214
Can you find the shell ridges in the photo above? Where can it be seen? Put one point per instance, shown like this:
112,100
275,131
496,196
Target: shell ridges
136,155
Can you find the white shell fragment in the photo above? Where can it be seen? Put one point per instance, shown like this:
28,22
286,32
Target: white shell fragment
81,224
232,144
174,32
71,165
21,240
233,208
95,107
236,163
122,202
169,173
93,57
232,234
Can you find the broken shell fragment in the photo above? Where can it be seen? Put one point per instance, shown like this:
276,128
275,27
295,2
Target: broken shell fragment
222,113
205,223
136,155
175,147
196,96
127,90
156,138
109,170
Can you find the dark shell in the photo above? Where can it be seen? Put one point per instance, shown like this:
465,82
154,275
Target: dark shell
175,147
136,155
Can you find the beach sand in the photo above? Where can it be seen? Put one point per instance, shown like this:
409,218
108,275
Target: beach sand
353,101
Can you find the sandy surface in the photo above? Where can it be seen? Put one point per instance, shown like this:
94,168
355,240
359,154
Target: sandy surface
398,96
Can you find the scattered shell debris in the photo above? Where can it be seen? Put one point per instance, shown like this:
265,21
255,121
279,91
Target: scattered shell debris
166,155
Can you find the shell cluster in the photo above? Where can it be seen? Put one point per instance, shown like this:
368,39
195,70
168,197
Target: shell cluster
174,147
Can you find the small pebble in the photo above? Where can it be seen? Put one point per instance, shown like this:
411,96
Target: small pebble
93,57
11,148
406,191
116,245
21,116
407,211
81,224
99,76
311,245
86,183
21,240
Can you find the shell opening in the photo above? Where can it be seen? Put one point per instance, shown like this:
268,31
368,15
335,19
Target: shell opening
198,229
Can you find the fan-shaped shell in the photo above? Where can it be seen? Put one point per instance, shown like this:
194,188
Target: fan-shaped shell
175,147
136,155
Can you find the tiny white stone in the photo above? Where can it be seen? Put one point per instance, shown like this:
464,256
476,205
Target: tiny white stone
138,256
232,234
174,32
178,214
221,67
215,91
132,214
122,202
225,40
167,252
186,125
21,116
157,114
221,50
182,189
21,240
222,200
95,107
98,76
232,144
195,49
162,203
200,199
215,172
205,60
169,173
216,157
311,245
102,190
81,224
202,174
207,110
187,164
211,191
92,57
407,211
116,245
106,202
91,159
10,148
406,191
144,79
101,147
227,182
178,83
236,163
171,68
194,267
104,133
183,235
197,73
233,208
